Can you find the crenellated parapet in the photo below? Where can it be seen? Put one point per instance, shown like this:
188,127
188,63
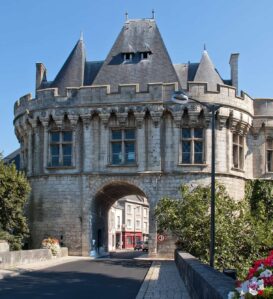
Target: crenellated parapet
94,95
263,116
225,95
129,93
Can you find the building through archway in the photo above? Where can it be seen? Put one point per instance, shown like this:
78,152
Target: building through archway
106,197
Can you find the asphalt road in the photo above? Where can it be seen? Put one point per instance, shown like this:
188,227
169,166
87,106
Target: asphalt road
94,279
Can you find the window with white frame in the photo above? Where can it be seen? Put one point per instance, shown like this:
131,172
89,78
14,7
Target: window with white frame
129,223
145,55
145,212
129,209
123,144
269,155
138,224
61,148
192,144
238,151
128,57
138,210
118,222
145,227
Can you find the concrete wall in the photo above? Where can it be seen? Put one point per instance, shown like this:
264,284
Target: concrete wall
202,281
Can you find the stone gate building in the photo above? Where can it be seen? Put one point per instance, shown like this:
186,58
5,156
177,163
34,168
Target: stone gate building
102,130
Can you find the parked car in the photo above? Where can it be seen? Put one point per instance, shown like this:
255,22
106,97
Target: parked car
139,245
145,246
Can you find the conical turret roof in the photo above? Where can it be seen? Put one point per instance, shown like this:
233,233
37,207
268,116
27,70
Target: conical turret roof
72,72
206,72
137,37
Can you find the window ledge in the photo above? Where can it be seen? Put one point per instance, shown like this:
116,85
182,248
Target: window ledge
192,165
122,165
237,169
60,167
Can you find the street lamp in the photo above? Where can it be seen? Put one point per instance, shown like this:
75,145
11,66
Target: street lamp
180,97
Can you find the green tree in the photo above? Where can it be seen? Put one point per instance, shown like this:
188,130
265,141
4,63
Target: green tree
14,190
239,238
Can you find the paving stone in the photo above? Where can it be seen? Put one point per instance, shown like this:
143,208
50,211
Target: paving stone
163,281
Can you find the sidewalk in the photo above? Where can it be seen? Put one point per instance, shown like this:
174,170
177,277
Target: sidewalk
163,282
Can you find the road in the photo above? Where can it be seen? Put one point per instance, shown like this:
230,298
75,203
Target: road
116,277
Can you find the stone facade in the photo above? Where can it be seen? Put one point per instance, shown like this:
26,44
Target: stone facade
71,199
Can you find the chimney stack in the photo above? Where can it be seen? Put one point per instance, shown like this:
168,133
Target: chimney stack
233,62
40,74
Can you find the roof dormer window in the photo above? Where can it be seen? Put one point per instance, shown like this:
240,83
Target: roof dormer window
145,55
127,56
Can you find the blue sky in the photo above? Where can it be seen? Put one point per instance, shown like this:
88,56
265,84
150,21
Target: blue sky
46,31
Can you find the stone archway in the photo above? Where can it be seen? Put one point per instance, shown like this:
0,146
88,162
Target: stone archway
104,198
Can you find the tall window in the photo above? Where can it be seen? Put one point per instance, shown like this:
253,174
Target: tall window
123,146
118,222
269,154
145,227
145,212
238,151
129,209
61,148
138,224
192,145
129,223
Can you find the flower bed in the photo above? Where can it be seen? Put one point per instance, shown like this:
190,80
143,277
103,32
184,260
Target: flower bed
259,281
52,244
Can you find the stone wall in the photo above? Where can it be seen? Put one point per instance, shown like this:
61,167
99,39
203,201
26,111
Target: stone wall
202,281
71,203
20,257
68,207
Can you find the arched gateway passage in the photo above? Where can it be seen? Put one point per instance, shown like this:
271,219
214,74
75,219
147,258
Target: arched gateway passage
102,202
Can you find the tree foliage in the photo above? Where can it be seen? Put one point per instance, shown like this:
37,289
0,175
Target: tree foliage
14,190
260,195
240,238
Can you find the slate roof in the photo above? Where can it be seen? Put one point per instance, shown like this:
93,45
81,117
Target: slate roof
91,70
72,72
135,37
206,72
13,157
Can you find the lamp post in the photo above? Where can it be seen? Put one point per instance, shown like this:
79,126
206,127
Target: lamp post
180,97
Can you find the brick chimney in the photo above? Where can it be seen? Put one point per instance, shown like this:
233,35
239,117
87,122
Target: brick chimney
40,74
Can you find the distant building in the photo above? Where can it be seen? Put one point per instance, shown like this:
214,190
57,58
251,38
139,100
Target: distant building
14,157
128,222
115,221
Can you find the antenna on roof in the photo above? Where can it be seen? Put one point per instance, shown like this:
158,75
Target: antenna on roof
126,16
153,14
205,49
81,36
